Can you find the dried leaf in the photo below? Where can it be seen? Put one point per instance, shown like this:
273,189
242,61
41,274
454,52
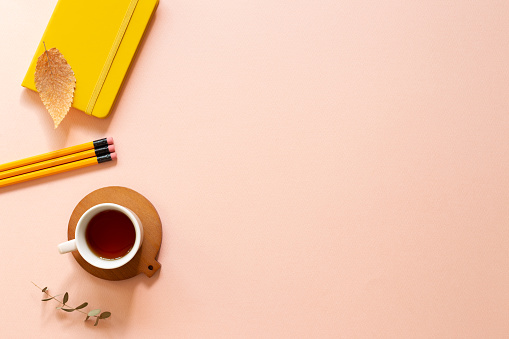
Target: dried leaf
105,315
55,82
81,306
66,298
66,308
94,312
50,298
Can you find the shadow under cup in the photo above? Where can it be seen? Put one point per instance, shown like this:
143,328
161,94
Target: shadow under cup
89,234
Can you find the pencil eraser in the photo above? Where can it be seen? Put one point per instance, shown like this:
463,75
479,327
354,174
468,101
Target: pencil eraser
110,140
113,156
111,148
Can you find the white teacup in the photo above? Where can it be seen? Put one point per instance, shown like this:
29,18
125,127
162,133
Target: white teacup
80,244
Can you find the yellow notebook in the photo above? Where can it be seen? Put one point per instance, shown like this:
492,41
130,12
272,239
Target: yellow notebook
99,39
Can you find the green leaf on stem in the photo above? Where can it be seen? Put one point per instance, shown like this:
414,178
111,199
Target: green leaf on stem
81,306
50,298
105,315
66,308
94,312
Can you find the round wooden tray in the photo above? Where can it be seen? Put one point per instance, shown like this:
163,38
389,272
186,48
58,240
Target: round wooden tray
145,260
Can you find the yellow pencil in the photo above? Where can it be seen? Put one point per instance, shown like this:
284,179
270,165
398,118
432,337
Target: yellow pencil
57,169
57,161
56,154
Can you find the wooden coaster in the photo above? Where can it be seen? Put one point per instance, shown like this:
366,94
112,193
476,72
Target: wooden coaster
145,260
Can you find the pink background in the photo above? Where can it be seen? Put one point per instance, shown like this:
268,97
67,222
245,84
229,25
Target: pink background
322,169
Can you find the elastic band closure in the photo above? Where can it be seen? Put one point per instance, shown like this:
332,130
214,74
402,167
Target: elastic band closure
111,56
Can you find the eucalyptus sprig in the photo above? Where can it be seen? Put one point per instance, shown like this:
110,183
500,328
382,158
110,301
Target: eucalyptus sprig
66,308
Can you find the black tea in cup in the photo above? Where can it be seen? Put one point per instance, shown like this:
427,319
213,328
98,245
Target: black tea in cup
110,234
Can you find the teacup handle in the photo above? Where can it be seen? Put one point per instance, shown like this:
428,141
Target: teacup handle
67,246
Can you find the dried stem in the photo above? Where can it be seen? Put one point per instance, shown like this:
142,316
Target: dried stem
49,295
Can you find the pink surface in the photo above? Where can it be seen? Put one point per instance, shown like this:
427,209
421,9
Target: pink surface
322,169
